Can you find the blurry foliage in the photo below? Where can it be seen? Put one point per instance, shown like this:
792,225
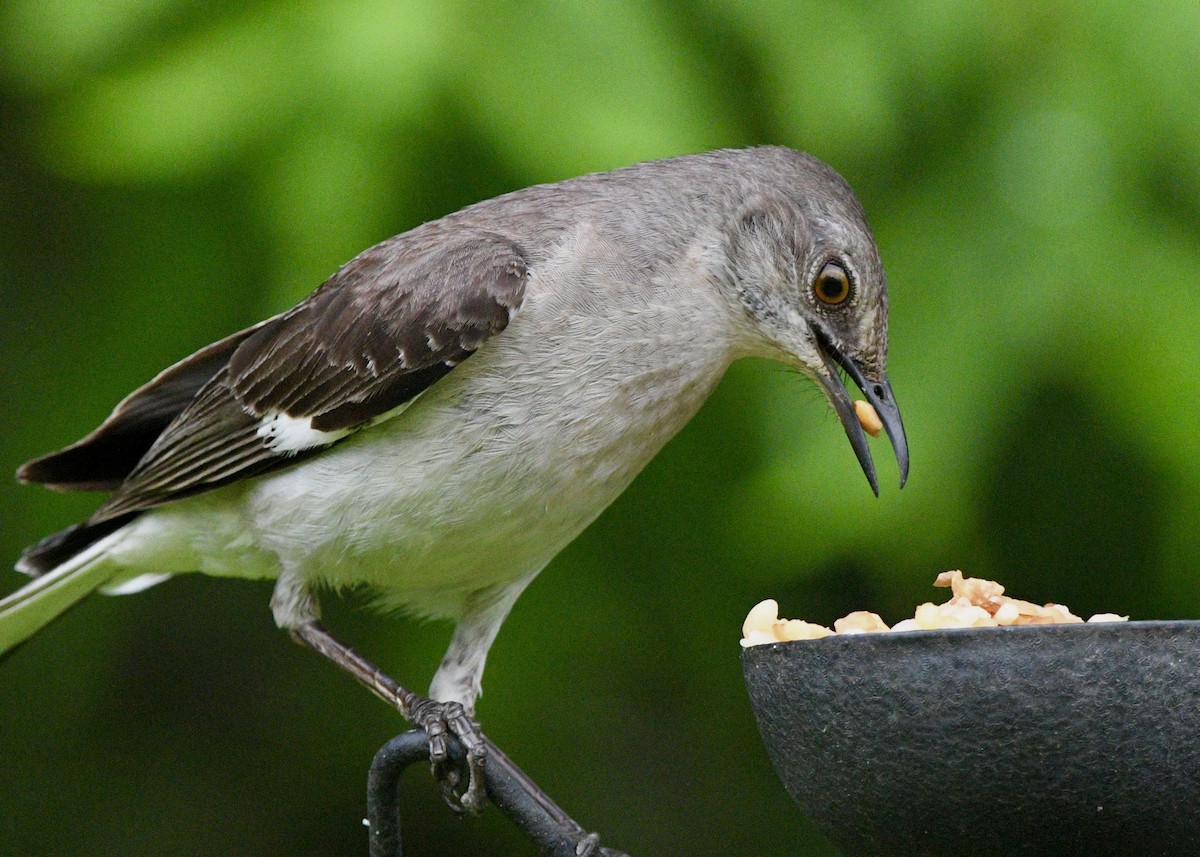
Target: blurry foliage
172,171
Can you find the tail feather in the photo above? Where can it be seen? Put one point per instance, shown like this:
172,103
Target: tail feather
35,605
59,548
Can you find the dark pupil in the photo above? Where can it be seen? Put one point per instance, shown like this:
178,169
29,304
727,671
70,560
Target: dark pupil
832,287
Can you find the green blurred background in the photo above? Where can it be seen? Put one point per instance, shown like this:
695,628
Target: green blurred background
173,170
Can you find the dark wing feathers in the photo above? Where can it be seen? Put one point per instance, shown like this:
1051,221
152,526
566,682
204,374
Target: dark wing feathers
380,318
385,327
102,460
212,441
391,394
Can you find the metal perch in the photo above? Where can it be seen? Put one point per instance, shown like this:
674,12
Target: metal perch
508,787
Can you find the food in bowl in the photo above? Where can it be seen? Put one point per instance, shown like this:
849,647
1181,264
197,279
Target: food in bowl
974,603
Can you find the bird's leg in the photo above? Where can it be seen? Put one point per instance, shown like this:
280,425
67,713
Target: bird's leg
296,611
436,718
457,681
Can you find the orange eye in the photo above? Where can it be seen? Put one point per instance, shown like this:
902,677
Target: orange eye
832,285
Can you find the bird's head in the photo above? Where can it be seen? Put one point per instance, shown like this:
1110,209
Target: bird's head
807,273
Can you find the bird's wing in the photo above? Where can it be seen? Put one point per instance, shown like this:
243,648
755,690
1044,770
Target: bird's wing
383,329
102,460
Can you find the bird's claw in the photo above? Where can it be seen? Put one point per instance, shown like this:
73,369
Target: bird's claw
439,719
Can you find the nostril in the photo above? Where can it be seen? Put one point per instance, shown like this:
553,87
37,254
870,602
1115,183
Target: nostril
879,391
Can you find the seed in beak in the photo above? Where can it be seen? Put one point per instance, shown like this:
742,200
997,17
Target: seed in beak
868,418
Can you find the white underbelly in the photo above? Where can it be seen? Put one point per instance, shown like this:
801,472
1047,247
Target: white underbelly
436,503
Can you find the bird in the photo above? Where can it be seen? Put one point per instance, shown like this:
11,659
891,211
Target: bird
454,405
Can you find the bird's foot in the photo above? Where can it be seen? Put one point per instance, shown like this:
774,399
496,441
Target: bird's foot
438,719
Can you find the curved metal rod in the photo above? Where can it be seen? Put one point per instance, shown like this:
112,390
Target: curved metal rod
508,787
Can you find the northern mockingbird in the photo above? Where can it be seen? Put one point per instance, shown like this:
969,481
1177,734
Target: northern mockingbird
455,404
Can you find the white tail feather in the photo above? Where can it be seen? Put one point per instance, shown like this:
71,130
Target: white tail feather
132,585
35,605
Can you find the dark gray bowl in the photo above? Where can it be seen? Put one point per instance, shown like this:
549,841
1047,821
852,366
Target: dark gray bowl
1050,739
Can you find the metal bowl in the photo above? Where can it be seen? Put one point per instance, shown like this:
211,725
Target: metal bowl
1048,739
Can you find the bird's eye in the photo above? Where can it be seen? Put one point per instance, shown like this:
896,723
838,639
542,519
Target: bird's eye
832,285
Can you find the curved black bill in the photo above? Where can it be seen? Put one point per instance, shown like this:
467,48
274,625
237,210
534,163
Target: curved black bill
879,393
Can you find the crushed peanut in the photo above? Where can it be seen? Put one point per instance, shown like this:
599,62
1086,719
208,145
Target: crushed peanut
868,417
859,622
974,603
763,625
1107,617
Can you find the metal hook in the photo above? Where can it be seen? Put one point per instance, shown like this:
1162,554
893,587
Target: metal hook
517,796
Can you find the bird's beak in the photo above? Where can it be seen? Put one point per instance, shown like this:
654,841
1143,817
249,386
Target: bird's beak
878,392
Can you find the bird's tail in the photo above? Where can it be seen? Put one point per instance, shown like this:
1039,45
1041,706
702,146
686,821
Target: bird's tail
35,605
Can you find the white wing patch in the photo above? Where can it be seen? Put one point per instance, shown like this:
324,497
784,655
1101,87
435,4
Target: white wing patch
286,434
